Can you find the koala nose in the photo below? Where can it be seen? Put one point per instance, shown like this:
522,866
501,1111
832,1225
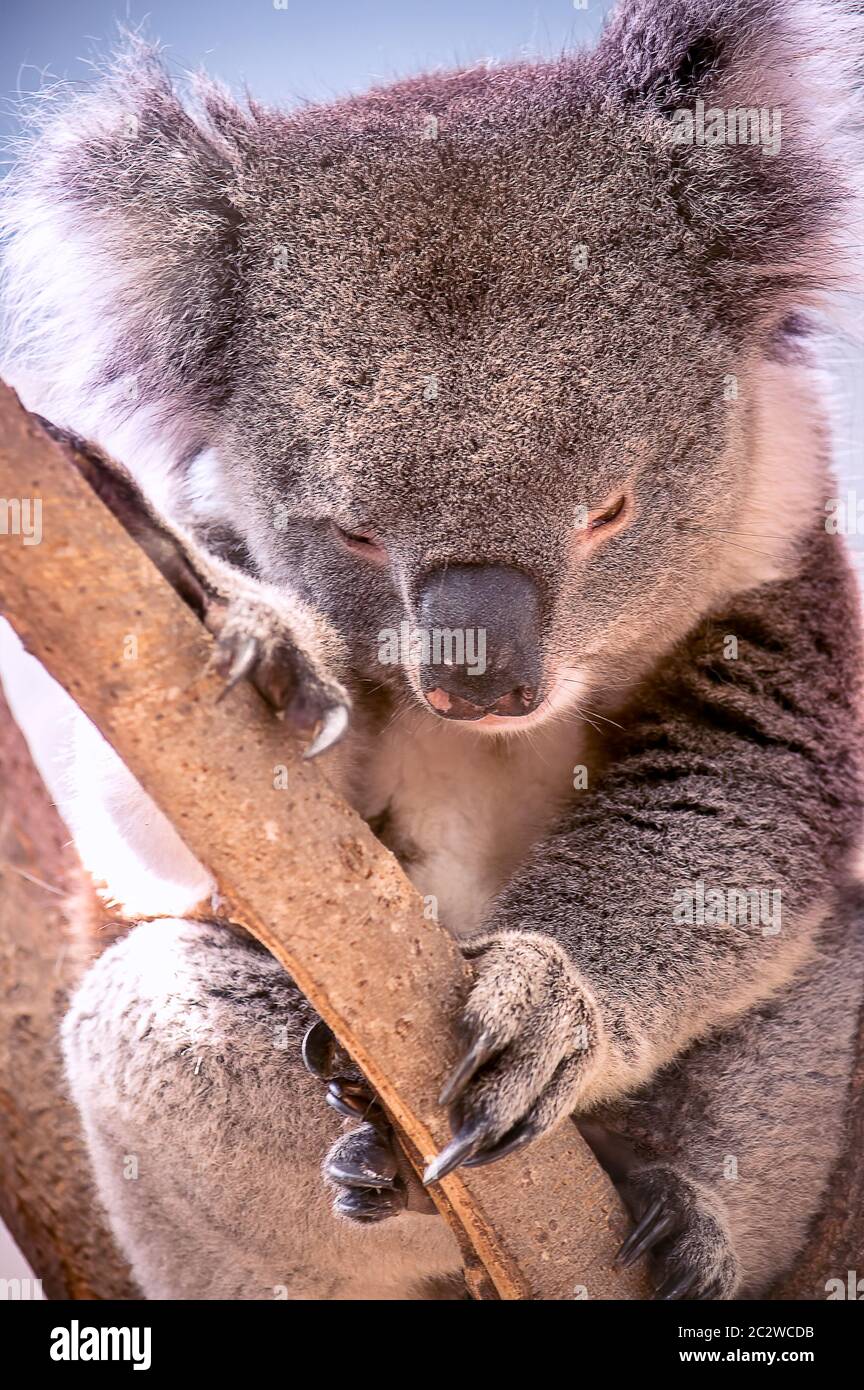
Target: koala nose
480,628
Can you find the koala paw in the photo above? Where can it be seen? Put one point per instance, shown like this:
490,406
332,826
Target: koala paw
363,1170
680,1225
533,1037
370,1176
254,641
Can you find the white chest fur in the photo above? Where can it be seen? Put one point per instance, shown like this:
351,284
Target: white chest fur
463,808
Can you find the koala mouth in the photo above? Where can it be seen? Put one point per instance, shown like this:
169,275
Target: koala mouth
515,704
562,700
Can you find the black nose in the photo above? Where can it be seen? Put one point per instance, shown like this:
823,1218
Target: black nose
480,630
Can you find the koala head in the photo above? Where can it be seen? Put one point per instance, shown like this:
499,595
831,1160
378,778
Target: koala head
484,352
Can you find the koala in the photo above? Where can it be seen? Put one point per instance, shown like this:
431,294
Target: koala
529,355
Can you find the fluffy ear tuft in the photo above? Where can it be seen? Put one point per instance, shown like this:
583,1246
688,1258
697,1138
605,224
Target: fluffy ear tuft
660,52
666,53
773,90
121,223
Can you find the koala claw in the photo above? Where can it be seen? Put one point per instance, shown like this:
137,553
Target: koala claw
370,1206
654,1227
362,1165
322,1055
353,1100
465,1144
480,1052
334,722
681,1226
470,1148
251,643
516,1139
370,1183
677,1287
242,656
347,1090
364,1158
532,1038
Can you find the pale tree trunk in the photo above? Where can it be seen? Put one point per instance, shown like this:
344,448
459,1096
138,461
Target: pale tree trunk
46,1194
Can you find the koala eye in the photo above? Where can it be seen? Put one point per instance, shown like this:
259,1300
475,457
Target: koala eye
597,520
613,513
359,543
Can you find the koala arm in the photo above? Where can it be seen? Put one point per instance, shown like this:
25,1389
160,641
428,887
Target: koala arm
289,651
598,966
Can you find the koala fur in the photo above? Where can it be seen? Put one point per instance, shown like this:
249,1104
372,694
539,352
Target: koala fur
355,351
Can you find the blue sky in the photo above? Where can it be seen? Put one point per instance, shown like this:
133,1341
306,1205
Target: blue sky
309,48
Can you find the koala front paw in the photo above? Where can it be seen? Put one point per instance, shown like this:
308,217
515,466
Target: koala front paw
363,1170
533,1037
255,641
680,1225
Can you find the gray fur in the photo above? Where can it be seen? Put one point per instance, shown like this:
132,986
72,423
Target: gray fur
207,1135
373,314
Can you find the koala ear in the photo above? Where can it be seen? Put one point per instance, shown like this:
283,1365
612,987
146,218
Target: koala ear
666,53
121,224
776,211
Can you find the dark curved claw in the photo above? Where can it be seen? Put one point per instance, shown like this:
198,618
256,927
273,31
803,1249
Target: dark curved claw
350,1099
469,1140
344,1175
364,1159
655,1225
514,1140
334,722
677,1286
369,1205
321,1053
477,1056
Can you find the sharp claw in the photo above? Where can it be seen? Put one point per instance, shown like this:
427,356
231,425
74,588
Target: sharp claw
342,1107
676,1286
317,1050
650,1239
464,1145
322,1055
517,1138
360,1178
365,1160
655,1224
333,726
242,662
653,1211
477,1055
350,1100
368,1207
